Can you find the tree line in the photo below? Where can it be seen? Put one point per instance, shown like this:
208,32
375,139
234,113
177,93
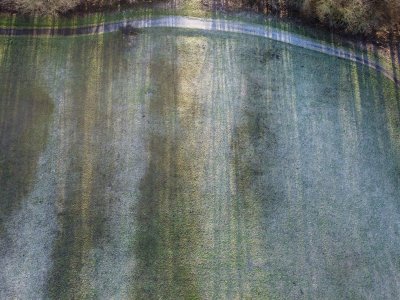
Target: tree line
354,16
55,7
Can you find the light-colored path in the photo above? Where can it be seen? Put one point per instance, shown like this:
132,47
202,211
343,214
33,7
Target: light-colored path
215,25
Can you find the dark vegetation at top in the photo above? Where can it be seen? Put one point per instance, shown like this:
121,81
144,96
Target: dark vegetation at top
55,7
353,16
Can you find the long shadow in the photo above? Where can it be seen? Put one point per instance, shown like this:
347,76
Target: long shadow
167,227
25,114
88,169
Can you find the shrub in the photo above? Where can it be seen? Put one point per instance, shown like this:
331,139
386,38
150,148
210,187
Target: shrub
53,7
356,16
48,7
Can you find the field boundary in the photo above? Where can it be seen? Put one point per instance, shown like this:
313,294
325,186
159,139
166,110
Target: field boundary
218,25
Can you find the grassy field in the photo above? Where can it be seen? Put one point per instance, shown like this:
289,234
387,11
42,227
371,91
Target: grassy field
182,165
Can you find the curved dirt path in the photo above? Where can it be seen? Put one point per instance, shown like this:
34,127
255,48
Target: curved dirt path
215,25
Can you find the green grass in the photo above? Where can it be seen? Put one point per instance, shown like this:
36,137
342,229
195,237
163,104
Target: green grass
235,150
